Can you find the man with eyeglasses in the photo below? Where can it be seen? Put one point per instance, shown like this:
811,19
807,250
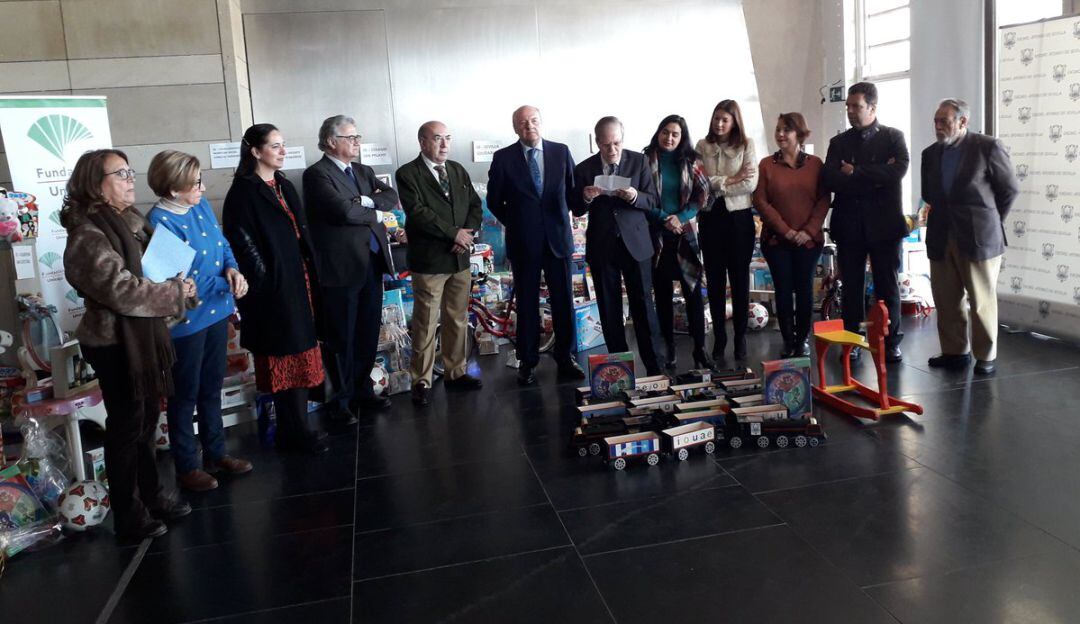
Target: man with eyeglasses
345,205
442,212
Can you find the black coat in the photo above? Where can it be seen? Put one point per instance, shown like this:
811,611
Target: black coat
868,204
275,316
610,216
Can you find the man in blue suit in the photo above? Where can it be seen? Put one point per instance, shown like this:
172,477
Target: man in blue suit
529,186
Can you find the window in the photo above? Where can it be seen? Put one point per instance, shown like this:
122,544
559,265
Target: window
1013,12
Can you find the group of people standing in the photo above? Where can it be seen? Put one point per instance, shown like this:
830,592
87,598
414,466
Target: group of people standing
309,274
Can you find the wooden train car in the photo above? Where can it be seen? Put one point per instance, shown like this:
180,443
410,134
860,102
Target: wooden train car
656,384
588,438
644,444
698,375
679,440
768,424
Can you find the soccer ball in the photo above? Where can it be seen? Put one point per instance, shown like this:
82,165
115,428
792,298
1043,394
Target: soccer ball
83,505
161,432
380,379
906,291
758,317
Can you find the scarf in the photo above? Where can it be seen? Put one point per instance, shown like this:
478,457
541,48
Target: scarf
145,341
694,188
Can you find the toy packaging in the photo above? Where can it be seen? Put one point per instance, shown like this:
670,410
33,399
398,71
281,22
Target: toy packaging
611,374
787,382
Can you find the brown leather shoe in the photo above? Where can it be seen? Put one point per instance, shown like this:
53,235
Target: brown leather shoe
197,481
231,465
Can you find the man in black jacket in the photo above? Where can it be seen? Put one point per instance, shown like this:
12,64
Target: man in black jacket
345,202
863,170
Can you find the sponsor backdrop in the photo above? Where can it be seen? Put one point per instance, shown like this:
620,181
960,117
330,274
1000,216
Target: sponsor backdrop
44,137
1039,122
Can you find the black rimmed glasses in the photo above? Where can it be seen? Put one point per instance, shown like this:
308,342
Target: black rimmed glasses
123,174
353,138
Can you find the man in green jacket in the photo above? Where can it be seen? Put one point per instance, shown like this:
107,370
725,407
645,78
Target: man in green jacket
442,212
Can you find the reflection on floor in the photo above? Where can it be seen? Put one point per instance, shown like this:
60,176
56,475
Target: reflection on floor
473,510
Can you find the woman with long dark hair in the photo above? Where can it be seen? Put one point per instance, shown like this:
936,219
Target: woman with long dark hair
793,203
727,227
265,224
684,189
123,333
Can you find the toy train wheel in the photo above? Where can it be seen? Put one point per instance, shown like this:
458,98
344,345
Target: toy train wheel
620,463
781,441
763,442
800,441
814,441
683,454
582,451
654,459
710,447
594,449
735,442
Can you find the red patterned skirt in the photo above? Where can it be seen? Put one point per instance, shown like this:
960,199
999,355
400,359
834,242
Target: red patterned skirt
274,373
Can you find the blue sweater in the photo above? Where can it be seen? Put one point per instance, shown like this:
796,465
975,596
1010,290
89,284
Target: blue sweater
199,229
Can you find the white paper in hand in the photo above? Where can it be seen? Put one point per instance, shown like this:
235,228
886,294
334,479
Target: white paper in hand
611,183
166,256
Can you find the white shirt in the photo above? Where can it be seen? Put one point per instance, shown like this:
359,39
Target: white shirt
539,157
365,201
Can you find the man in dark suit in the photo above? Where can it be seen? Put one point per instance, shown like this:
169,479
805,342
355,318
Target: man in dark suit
345,202
968,181
529,186
442,213
863,170
617,243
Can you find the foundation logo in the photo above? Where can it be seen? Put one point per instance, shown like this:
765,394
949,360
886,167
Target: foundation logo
1059,73
49,258
72,296
54,216
1044,309
1048,251
1076,295
1017,284
1074,91
1051,192
1070,152
1066,213
1021,172
1055,133
1023,114
54,133
1019,228
1063,272
1027,55
1007,97
1009,40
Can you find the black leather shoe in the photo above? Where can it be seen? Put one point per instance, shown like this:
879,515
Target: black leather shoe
465,382
702,360
150,528
342,416
946,360
984,367
168,509
801,348
740,348
893,354
525,376
570,369
421,395
373,403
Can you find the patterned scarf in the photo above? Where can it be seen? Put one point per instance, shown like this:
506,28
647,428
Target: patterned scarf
694,188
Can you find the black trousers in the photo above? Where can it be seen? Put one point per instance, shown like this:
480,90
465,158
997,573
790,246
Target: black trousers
353,317
885,263
608,276
792,271
290,409
556,273
665,273
130,428
727,244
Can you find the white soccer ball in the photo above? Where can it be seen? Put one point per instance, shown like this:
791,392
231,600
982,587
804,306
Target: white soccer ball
380,379
906,291
83,505
758,317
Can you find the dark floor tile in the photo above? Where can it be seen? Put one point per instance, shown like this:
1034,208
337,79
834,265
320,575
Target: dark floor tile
573,481
444,493
472,538
1043,394
763,576
335,611
692,513
797,467
903,525
262,519
542,587
238,577
1029,590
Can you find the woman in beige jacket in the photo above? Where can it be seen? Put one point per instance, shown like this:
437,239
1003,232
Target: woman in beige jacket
727,225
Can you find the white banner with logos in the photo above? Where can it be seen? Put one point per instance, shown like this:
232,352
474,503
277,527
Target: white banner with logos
43,138
1039,123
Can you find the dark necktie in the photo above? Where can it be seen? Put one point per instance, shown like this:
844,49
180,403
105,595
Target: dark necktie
613,169
534,169
373,242
444,181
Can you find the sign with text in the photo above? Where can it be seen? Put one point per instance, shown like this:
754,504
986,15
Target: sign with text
372,154
224,155
482,151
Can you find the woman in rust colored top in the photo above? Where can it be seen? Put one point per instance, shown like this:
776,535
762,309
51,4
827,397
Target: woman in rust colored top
793,204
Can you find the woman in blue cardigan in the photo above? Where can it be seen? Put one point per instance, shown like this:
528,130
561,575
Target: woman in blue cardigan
200,340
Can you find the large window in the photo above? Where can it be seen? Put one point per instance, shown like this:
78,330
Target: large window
1019,12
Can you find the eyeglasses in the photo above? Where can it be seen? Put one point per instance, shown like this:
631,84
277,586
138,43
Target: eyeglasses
123,174
198,182
355,138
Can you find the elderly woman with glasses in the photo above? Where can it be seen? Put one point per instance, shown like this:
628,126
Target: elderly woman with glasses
200,340
123,333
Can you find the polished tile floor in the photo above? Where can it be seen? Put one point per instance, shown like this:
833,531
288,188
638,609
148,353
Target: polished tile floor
473,510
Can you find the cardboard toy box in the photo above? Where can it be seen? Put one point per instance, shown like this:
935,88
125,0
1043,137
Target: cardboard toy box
587,323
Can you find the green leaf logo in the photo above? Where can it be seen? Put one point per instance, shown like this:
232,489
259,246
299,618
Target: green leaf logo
49,258
54,216
56,132
73,296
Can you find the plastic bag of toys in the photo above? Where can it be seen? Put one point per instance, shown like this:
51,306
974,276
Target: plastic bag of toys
44,462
